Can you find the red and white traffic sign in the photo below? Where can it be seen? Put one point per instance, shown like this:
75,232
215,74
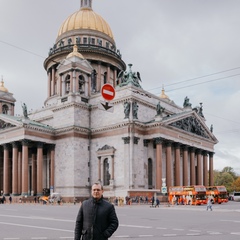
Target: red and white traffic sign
108,92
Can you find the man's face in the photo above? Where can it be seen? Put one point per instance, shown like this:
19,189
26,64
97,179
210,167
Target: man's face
97,191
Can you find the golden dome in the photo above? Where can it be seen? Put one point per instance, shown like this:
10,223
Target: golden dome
163,95
75,53
85,18
2,88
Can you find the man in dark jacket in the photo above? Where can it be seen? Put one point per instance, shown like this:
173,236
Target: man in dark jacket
96,219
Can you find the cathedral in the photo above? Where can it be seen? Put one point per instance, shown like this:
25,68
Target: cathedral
135,144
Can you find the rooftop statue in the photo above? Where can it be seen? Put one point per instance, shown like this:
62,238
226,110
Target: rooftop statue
25,113
159,109
199,110
129,77
186,102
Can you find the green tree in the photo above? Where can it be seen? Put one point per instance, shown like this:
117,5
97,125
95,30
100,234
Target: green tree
236,185
231,171
224,178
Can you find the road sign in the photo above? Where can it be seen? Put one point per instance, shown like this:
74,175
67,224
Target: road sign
164,189
108,92
106,106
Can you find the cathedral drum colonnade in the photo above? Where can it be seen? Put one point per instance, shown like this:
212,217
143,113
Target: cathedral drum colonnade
70,142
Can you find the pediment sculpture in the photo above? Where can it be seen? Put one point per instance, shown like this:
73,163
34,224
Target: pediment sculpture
192,125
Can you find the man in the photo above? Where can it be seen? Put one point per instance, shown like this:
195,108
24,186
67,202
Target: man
96,219
209,204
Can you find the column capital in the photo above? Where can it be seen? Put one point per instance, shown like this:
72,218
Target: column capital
211,154
40,144
15,144
185,147
205,153
145,142
25,142
168,143
135,140
199,151
177,145
6,146
192,149
158,140
126,140
51,146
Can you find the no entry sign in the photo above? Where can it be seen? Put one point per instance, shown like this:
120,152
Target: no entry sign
108,92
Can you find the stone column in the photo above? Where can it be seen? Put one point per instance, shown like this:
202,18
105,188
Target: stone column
169,164
71,82
127,157
49,84
63,88
19,172
39,169
199,167
52,81
15,169
108,74
211,182
177,164
205,169
74,82
114,77
6,169
112,173
185,165
159,142
99,74
52,175
99,170
34,174
25,172
192,167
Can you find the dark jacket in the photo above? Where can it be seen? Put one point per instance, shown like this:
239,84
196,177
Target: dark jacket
96,220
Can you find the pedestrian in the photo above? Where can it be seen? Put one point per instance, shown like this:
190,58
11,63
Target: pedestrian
153,200
10,199
157,202
96,219
209,204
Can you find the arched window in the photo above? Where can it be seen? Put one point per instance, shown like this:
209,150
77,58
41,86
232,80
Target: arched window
67,83
105,78
5,109
94,81
150,175
81,83
106,174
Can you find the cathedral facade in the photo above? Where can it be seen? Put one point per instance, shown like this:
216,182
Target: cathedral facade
138,143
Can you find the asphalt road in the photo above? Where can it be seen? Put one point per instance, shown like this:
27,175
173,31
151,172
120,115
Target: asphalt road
53,222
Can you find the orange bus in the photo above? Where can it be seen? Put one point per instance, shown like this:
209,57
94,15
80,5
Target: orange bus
175,194
217,193
188,195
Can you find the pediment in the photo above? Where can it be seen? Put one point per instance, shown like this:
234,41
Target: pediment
76,63
106,150
5,125
191,123
7,122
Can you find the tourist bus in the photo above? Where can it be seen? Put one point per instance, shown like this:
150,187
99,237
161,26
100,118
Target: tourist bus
196,194
188,195
175,193
217,193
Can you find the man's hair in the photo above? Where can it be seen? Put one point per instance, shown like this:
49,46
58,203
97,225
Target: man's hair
98,183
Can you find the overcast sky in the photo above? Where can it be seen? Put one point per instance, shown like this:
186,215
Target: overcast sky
189,46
